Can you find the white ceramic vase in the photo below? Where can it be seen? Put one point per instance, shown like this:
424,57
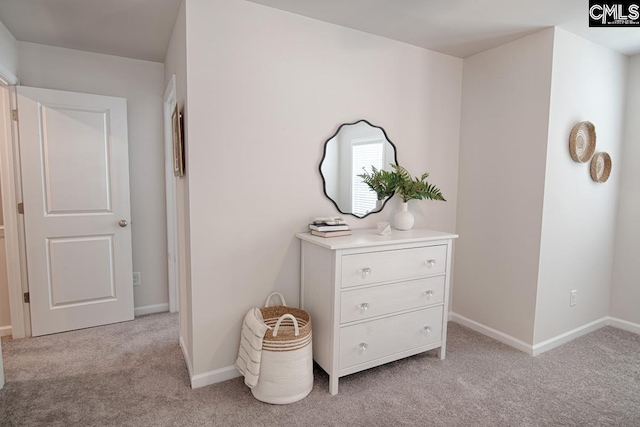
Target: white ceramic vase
404,219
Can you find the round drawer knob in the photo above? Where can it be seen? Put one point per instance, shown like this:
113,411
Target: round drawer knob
426,329
363,346
428,294
363,307
365,272
430,262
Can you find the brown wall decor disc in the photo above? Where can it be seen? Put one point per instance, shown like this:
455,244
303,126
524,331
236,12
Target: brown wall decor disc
582,141
601,167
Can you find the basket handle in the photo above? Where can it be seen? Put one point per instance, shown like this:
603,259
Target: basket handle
286,316
266,303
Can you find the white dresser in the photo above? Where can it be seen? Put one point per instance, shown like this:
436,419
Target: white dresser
374,299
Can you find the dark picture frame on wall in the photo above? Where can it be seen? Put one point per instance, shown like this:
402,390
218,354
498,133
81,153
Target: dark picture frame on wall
178,142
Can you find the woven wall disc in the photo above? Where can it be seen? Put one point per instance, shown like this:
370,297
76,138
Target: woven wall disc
582,141
600,167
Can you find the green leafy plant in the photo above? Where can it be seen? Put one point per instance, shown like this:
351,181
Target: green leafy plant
415,188
382,182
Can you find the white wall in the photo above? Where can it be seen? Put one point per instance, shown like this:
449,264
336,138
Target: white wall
142,83
176,63
505,110
625,294
8,51
266,89
579,217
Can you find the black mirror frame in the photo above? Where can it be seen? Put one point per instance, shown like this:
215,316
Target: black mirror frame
324,155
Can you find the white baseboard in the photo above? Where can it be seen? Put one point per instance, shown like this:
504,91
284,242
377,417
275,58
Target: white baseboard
150,309
187,360
623,324
230,372
208,378
5,331
557,341
493,333
215,376
549,344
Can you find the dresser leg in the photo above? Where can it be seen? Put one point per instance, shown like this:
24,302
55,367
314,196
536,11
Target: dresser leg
333,385
441,352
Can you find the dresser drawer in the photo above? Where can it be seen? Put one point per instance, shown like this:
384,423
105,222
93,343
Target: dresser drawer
373,340
376,267
386,299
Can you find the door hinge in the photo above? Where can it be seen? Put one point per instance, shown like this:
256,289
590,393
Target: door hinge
21,208
26,298
14,115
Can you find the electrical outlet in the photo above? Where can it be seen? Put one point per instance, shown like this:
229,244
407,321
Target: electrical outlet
136,278
572,299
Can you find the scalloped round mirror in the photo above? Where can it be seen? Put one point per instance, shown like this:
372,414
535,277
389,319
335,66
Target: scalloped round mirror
355,149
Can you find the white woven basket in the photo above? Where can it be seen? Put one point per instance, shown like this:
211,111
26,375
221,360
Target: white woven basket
286,367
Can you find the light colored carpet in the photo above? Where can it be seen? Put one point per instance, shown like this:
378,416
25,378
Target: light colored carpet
133,374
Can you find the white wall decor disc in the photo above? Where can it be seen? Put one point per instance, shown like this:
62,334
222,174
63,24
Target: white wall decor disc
601,167
582,142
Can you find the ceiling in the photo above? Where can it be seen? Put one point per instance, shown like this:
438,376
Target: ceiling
142,29
138,29
461,27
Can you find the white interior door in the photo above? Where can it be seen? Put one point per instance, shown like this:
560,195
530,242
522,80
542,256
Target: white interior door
75,184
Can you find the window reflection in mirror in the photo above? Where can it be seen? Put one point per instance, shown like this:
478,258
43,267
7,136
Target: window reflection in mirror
354,149
365,153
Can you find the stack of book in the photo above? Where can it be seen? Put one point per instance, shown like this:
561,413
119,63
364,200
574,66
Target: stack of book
329,227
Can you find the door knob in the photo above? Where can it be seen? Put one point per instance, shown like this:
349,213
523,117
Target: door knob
123,223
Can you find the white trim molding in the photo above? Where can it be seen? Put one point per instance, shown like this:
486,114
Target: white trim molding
623,324
13,226
150,309
5,331
571,335
1,368
549,344
187,360
7,77
215,376
173,272
492,333
208,378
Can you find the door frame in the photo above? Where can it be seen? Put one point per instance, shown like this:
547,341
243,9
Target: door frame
173,271
11,184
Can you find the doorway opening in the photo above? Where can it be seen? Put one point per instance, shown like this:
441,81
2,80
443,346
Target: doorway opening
16,285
